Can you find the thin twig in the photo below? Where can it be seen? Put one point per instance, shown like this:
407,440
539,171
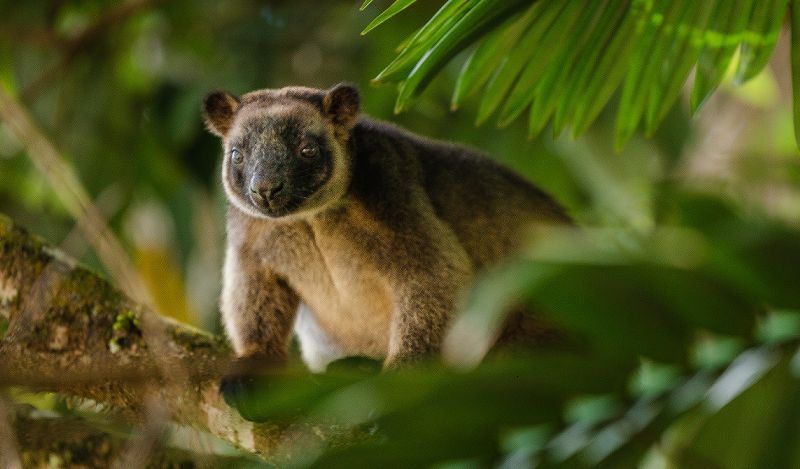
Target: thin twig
76,199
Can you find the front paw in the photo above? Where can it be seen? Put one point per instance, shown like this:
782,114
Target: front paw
236,388
245,386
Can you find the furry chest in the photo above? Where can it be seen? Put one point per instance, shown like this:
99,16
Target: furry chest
349,300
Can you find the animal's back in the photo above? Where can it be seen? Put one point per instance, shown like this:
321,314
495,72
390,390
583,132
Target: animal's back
488,206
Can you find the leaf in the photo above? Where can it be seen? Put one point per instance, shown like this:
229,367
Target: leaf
721,40
683,55
757,46
508,71
628,318
423,39
603,34
485,15
393,9
705,301
770,435
551,88
611,68
365,5
478,406
755,256
475,329
646,64
568,75
485,59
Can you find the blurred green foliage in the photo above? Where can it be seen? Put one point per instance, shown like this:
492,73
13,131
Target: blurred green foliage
678,294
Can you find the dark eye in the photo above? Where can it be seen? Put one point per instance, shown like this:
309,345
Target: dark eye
309,151
236,156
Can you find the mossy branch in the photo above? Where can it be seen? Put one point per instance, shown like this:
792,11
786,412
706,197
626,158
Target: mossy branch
71,332
50,440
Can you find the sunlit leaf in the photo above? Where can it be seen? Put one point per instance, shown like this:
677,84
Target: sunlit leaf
482,17
395,8
646,65
552,85
568,75
726,25
417,45
681,58
763,31
509,69
485,59
611,67
613,16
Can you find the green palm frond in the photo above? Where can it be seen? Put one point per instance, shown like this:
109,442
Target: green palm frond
395,8
563,60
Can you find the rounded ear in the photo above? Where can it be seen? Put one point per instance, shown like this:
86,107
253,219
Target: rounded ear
341,104
219,107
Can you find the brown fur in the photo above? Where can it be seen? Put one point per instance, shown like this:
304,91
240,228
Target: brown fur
380,251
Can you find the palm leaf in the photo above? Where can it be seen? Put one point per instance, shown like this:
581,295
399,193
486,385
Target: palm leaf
485,59
483,16
554,20
683,56
764,28
552,85
718,48
611,67
413,48
393,9
645,66
586,65
564,59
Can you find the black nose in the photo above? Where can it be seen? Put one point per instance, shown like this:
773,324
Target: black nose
266,192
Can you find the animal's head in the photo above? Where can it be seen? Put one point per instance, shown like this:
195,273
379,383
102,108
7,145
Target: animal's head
286,149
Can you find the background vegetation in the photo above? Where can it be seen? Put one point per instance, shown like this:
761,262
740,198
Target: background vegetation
679,293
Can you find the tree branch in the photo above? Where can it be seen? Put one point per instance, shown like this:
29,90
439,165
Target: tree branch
69,331
51,440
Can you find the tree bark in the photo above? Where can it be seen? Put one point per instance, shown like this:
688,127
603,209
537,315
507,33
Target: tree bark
46,440
69,331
